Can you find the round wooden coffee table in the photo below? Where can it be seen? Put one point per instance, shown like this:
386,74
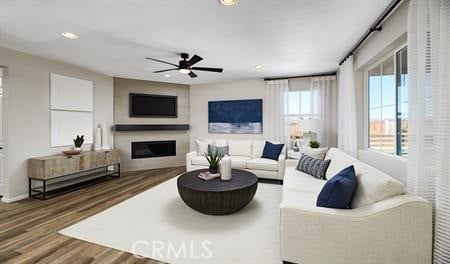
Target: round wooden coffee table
217,197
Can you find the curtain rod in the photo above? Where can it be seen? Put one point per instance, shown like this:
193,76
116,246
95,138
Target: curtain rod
301,76
376,26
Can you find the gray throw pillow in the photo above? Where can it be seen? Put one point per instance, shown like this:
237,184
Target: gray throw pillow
222,151
314,167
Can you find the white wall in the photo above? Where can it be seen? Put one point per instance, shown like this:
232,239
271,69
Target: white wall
393,34
382,42
200,95
26,117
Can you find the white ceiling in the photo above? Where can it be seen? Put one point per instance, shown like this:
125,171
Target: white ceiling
287,37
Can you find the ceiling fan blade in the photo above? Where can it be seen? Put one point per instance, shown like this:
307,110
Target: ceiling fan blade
195,60
161,61
207,69
174,69
192,74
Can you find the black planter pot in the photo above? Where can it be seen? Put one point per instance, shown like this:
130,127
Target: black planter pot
213,170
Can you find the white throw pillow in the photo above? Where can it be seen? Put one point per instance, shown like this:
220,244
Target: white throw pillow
220,142
339,161
240,147
258,148
318,153
202,146
373,185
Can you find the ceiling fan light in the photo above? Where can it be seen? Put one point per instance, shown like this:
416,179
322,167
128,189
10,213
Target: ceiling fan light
228,2
69,35
184,71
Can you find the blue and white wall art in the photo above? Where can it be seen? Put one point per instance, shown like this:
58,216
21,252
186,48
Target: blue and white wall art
235,117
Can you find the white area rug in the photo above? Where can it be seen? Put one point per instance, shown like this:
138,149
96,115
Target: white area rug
157,224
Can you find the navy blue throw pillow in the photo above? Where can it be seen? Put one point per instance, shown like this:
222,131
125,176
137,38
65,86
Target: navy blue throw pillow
272,151
338,191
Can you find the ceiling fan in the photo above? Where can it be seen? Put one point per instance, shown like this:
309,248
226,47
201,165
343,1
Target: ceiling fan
185,66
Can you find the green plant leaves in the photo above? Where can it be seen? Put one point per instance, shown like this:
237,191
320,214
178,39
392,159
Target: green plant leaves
213,157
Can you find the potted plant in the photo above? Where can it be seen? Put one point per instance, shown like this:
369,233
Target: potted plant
214,158
314,144
78,142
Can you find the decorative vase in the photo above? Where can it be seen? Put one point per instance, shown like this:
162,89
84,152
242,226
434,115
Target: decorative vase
213,169
225,168
98,139
105,137
77,149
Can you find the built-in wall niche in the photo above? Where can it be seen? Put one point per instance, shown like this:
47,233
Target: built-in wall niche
71,109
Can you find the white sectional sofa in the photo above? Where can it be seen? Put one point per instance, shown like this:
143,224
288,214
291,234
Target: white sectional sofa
386,225
244,154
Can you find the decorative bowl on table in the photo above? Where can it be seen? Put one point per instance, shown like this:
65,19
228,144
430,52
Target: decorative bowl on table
71,152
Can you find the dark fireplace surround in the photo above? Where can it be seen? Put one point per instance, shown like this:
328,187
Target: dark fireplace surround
153,149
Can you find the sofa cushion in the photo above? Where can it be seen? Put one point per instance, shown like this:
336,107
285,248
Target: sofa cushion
292,198
239,162
301,182
312,166
272,151
258,148
373,185
318,153
199,160
262,164
240,147
338,192
339,161
202,146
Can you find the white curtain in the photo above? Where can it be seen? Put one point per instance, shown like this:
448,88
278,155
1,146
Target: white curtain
429,113
277,92
347,133
324,105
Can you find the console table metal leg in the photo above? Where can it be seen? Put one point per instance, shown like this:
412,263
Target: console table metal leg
44,191
29,187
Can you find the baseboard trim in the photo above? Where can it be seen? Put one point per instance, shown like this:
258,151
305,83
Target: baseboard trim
14,199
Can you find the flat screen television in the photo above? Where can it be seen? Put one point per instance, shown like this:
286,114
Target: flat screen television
151,105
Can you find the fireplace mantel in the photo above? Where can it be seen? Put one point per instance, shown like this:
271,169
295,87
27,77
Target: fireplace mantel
156,127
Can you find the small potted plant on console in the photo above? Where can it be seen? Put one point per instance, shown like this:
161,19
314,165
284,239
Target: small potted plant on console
78,142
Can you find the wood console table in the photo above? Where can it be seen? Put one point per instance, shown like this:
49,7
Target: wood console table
58,174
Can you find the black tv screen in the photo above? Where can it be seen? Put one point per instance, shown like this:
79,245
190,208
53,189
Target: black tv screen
150,105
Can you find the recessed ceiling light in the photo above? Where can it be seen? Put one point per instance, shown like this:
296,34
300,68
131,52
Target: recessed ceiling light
258,66
167,75
69,35
228,2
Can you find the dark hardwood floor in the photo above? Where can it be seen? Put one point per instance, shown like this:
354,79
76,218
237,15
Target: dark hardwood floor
29,228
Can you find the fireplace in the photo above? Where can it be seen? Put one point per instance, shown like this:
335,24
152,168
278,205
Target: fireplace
152,149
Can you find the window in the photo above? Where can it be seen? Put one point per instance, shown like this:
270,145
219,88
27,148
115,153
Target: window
301,107
388,105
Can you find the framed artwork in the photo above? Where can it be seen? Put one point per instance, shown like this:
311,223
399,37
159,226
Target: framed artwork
235,117
71,110
66,125
69,93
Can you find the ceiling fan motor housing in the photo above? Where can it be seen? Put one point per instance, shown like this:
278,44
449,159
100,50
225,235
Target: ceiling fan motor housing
184,64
